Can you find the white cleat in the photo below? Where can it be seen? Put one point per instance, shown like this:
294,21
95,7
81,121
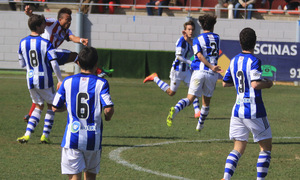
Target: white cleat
199,127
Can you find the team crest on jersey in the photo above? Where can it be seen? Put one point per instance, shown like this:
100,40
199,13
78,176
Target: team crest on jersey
30,73
75,127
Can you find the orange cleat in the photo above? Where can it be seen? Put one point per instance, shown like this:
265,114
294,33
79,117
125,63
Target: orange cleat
197,115
150,77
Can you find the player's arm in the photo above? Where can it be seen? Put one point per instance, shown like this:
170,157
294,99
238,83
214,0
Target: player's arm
226,84
55,109
57,72
181,58
108,112
28,11
77,39
210,66
262,84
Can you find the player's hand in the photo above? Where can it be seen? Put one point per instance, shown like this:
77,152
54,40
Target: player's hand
217,69
85,41
28,11
58,85
268,82
157,3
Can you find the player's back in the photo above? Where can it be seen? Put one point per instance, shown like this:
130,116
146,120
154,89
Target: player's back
85,95
208,44
244,69
37,53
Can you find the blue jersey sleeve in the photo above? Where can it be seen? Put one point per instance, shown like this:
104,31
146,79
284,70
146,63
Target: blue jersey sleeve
196,47
51,54
105,96
227,77
60,98
256,71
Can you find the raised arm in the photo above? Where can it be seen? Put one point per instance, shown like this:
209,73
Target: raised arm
28,11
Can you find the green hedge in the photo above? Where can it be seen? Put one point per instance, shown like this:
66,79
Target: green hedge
136,63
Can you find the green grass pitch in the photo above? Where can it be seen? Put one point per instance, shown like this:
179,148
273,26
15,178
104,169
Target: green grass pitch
140,119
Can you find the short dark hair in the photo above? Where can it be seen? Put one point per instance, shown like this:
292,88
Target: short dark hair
88,58
64,11
247,38
207,21
35,21
188,23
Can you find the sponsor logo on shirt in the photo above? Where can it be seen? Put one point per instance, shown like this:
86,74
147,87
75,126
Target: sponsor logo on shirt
75,127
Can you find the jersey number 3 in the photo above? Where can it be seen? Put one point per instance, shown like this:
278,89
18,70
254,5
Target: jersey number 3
241,78
82,108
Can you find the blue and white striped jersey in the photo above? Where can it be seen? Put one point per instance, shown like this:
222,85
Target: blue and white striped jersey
243,69
208,44
184,49
36,53
85,96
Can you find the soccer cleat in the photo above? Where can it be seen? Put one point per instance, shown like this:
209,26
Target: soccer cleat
150,77
23,139
45,140
104,72
170,116
197,115
26,118
199,127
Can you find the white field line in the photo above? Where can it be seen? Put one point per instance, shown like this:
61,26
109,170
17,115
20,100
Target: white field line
115,155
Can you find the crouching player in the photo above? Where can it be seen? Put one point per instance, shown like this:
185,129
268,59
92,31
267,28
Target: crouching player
84,96
36,54
248,114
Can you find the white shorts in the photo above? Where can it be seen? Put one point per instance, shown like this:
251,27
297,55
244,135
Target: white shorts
38,96
240,129
202,83
177,76
74,161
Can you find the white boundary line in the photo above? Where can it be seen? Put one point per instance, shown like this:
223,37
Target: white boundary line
115,155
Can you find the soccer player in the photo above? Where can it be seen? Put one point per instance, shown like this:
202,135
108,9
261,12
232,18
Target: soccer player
37,54
180,70
205,71
56,31
84,96
248,113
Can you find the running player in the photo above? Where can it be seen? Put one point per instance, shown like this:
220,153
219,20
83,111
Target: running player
36,54
57,31
85,95
248,113
180,70
205,71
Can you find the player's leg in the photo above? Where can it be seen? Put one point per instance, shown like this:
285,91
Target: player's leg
264,158
89,176
233,158
27,116
196,108
196,105
181,104
49,119
203,112
240,134
75,176
160,83
48,95
32,123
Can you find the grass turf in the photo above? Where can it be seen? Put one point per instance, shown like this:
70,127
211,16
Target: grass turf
140,115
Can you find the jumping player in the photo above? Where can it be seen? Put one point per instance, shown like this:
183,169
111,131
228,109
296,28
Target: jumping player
36,54
180,70
205,71
248,113
84,96
57,31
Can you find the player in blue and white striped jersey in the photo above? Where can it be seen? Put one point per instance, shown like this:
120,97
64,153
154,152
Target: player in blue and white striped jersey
84,96
180,70
205,71
37,54
248,113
